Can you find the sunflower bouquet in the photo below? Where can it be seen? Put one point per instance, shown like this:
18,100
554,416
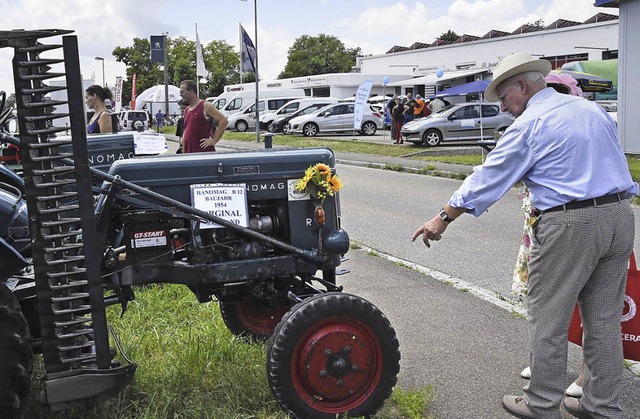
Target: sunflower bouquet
319,182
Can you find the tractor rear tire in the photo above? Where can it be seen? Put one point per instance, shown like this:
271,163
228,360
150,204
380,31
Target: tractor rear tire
333,355
246,318
16,358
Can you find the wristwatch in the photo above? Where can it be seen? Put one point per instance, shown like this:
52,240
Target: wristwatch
444,216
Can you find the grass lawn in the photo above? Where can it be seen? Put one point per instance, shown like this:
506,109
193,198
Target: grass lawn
191,366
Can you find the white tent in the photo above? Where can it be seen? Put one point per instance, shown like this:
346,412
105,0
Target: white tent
155,94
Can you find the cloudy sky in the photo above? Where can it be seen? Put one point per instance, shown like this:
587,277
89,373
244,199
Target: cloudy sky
373,25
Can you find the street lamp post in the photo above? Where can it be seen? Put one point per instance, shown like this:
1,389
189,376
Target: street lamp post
101,59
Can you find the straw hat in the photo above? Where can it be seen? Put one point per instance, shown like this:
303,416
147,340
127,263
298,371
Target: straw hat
513,64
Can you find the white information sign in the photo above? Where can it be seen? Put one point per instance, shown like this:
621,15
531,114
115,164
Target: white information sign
149,143
227,201
467,123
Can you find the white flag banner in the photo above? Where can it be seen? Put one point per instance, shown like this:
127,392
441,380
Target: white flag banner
201,70
361,103
118,94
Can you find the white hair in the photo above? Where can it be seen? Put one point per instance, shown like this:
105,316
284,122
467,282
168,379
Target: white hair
535,77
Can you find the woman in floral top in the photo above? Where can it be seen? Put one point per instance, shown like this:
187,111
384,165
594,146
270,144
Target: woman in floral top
521,271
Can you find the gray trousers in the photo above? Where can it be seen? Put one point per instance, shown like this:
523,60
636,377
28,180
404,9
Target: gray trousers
579,256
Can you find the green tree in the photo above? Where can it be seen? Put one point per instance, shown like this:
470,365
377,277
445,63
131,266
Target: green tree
137,58
223,64
322,54
539,24
449,36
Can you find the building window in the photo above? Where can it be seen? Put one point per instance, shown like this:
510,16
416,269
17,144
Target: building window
610,55
560,60
321,92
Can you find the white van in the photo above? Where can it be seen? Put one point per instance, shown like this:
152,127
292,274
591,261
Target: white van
245,119
242,99
267,119
223,99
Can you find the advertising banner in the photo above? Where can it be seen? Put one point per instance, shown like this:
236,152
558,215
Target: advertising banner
361,103
157,48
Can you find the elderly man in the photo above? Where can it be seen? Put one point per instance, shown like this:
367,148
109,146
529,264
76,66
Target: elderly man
565,149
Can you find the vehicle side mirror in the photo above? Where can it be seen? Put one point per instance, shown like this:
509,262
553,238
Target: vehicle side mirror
453,117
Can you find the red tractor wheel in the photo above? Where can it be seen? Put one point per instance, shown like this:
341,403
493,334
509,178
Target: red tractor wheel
248,318
333,354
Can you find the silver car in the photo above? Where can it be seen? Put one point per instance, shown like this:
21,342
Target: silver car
457,122
334,118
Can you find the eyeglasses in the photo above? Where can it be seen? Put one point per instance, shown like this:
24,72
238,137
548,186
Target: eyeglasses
504,95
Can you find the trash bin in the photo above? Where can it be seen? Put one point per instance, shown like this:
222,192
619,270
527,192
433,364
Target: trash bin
268,140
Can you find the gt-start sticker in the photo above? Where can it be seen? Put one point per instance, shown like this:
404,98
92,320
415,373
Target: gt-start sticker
152,238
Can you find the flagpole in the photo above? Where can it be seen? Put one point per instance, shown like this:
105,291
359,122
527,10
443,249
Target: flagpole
240,64
255,13
197,81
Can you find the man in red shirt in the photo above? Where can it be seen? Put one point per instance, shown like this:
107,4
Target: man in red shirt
199,115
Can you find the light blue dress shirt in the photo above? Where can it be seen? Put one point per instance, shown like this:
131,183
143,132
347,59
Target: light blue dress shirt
564,148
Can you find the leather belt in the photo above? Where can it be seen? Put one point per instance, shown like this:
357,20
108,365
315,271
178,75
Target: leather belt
593,202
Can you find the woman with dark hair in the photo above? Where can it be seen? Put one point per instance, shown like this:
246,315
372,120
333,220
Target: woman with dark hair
94,97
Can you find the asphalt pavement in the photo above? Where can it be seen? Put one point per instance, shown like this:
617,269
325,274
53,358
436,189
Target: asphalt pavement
469,350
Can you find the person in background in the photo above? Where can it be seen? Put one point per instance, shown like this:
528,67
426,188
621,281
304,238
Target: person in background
199,119
398,114
159,117
436,104
566,151
389,111
94,98
426,110
417,112
410,106
180,126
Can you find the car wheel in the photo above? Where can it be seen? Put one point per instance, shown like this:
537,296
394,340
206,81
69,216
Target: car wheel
285,129
271,127
432,138
242,126
369,128
310,129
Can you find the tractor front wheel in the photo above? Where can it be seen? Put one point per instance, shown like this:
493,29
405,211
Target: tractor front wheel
333,354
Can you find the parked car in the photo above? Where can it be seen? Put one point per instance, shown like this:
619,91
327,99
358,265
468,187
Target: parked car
335,118
281,124
457,122
134,120
246,118
267,119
